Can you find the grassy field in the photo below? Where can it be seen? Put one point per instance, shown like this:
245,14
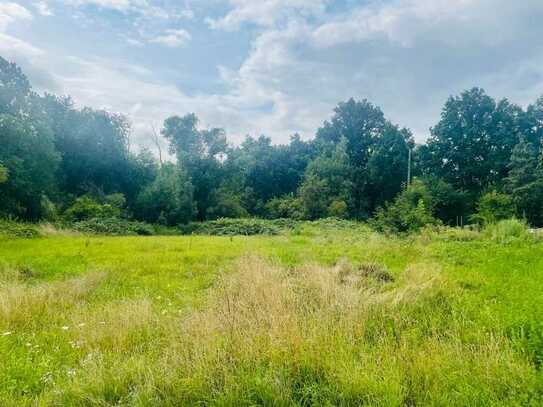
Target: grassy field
319,316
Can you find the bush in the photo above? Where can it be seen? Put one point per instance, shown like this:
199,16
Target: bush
168,200
232,227
85,208
338,209
49,209
410,211
11,228
226,205
113,227
287,206
493,207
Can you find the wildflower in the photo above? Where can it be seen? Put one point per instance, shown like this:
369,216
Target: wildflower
65,328
47,377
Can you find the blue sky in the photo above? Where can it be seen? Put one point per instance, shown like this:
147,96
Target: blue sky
274,67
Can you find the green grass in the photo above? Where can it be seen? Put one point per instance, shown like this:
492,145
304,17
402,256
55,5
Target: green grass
300,318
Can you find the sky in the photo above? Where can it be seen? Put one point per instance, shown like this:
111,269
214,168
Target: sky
274,67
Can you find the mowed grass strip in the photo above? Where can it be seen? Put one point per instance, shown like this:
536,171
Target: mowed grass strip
306,319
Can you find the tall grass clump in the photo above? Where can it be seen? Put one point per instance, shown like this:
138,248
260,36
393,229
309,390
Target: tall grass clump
344,335
507,231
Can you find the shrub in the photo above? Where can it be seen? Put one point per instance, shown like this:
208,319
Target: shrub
87,208
226,205
116,200
410,211
493,207
287,206
49,209
114,227
11,228
232,227
168,200
338,209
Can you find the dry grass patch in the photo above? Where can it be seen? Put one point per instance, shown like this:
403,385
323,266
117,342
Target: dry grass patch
23,303
311,335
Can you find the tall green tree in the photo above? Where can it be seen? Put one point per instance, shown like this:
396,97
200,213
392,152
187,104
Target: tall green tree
327,185
525,182
168,199
269,171
471,145
200,153
369,138
15,90
28,155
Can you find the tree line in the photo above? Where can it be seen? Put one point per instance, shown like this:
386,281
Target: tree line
482,161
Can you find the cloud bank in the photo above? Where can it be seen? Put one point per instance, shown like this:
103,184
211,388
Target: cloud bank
303,57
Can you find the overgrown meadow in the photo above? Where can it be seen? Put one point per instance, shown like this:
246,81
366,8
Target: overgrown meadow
325,313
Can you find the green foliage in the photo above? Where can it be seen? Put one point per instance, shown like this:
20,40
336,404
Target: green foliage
10,228
226,205
525,182
29,158
52,154
327,179
376,151
85,208
288,206
263,171
410,211
493,207
232,227
3,174
338,209
168,199
198,154
113,227
471,145
15,89
450,205
116,200
48,209
508,231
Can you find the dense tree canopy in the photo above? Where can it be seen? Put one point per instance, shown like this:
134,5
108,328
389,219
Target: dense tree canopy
482,158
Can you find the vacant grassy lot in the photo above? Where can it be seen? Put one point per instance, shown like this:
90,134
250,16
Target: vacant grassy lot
320,316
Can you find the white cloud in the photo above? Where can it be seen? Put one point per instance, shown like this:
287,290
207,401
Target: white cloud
172,38
10,12
143,8
266,12
10,46
43,8
13,47
119,5
406,56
